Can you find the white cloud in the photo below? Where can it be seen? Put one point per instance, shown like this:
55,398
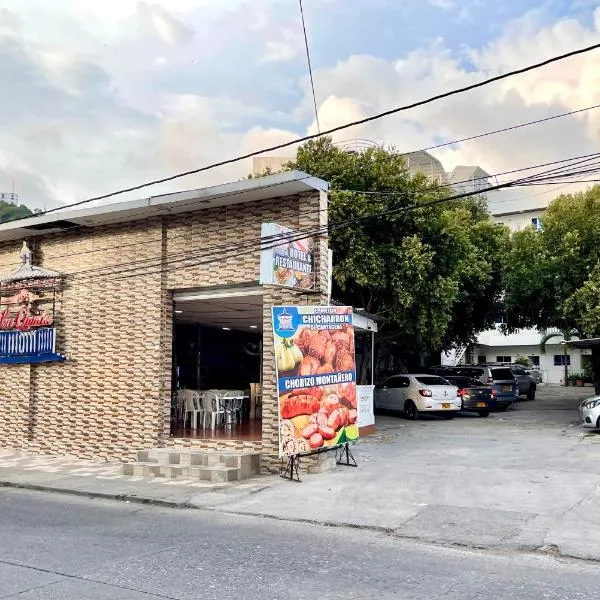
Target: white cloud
444,4
372,85
286,46
108,104
164,25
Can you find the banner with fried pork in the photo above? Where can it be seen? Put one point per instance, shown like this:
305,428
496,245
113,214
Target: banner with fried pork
316,377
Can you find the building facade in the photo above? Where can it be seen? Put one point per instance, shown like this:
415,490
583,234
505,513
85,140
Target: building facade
123,268
494,346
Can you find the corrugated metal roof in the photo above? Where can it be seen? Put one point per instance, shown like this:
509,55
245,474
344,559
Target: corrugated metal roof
288,183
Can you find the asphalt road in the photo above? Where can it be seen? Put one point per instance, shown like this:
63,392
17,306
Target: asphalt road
56,547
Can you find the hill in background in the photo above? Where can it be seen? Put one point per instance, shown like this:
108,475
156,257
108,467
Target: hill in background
10,212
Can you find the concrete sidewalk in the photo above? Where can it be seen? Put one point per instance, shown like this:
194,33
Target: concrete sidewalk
104,480
526,480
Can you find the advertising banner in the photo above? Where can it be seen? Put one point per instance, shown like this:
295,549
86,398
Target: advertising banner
284,260
364,396
316,377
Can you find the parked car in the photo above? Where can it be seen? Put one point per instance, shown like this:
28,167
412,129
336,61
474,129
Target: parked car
501,379
589,411
415,394
475,396
535,374
525,382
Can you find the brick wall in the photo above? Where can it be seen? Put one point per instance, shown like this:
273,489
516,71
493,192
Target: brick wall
112,395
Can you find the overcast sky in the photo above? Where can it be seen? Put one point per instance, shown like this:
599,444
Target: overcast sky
99,95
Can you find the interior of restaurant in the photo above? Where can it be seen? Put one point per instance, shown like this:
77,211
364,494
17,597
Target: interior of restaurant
217,367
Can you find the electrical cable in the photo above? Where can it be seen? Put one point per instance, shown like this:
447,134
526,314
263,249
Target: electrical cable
278,238
312,83
375,117
504,129
299,235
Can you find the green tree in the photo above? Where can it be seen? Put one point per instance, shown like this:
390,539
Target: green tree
432,272
552,277
10,212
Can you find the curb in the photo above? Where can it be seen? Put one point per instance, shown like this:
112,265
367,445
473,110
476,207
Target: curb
98,495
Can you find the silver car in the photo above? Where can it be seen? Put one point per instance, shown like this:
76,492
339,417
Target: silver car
589,412
416,394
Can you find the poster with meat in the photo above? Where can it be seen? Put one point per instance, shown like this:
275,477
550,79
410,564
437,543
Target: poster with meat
316,377
286,260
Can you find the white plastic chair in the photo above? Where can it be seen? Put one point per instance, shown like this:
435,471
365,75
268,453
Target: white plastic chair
212,409
192,408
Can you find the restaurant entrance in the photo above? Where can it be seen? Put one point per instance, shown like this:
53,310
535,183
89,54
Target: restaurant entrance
217,365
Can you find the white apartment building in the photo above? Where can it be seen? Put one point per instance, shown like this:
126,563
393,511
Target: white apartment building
494,346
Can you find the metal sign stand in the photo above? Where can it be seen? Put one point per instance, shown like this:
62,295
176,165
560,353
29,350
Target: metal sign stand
343,456
291,469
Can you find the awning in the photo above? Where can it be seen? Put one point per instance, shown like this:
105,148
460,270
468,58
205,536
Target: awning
583,344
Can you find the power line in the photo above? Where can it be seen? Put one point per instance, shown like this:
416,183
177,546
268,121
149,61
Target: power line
504,129
276,239
312,83
334,129
231,250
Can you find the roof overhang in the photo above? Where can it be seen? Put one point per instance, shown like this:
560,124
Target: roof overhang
288,183
583,344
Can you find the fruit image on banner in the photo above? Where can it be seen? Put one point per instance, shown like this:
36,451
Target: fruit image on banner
316,377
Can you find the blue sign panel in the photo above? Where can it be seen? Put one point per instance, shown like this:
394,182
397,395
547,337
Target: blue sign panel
34,346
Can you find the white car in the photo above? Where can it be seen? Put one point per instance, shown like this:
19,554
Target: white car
589,411
414,394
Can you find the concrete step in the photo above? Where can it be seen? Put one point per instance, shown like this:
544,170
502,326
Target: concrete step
215,474
247,462
206,465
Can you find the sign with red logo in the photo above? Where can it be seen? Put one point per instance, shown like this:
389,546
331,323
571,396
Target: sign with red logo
27,303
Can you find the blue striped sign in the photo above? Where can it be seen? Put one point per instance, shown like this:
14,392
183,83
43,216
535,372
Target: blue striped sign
37,345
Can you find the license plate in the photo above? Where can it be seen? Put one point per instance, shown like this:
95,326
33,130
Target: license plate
506,388
481,405
446,405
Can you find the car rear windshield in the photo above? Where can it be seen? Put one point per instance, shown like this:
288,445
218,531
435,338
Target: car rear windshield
431,380
502,374
469,371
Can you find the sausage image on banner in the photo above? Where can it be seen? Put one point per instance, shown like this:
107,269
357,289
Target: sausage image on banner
316,373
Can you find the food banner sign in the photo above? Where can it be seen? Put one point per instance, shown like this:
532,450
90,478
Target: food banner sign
286,260
316,377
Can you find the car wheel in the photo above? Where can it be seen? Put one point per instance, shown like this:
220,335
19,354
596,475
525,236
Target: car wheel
410,410
484,413
502,407
449,416
531,393
598,423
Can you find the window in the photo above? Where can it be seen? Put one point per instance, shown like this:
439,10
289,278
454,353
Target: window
468,371
536,223
518,370
502,374
560,360
503,359
431,380
481,360
396,382
535,360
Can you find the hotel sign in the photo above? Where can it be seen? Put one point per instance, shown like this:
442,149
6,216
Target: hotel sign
286,258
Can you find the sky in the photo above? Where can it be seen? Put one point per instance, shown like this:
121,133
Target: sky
98,96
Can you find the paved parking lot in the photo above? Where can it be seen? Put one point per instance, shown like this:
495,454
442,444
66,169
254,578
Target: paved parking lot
526,479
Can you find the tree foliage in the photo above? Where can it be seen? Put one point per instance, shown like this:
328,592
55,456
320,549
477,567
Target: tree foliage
552,277
432,272
10,212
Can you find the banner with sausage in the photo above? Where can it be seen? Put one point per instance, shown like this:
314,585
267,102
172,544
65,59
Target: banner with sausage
316,377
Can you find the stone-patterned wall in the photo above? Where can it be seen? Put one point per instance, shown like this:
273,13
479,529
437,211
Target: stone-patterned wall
104,399
112,395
